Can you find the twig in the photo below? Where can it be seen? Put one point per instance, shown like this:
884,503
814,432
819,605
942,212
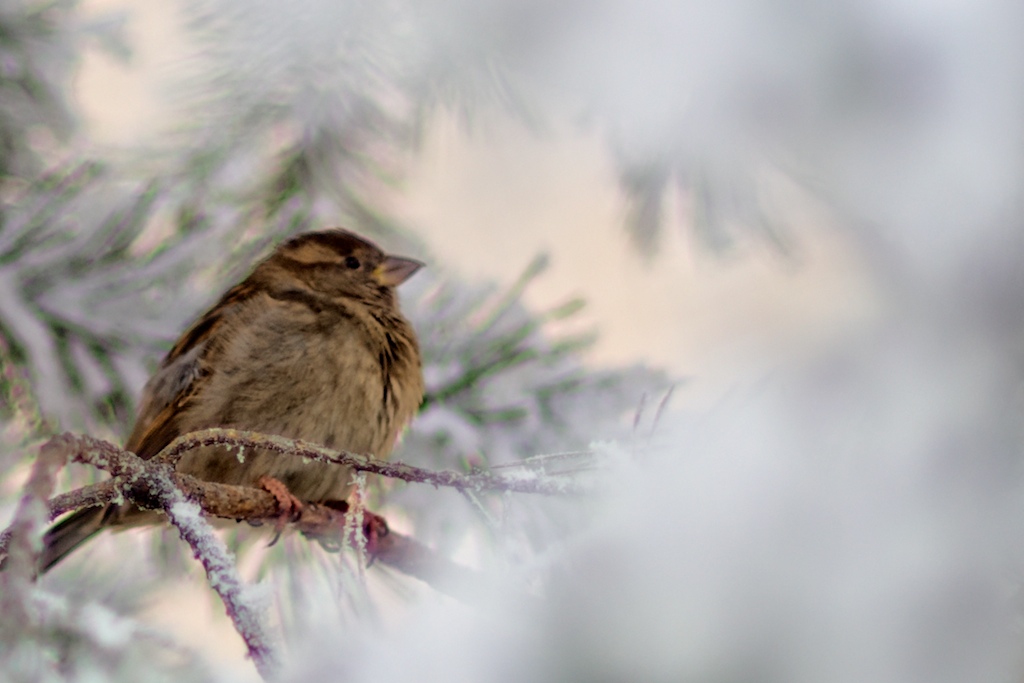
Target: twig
329,526
93,495
523,482
354,522
154,484
151,484
27,528
474,502
320,522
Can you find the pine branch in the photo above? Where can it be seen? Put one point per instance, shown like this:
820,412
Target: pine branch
153,484
522,482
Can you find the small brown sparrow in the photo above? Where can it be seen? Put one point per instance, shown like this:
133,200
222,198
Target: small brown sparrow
311,345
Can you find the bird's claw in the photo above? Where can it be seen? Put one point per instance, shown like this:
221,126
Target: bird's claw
288,506
375,528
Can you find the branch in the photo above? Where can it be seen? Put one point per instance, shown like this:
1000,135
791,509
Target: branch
327,524
152,485
522,482
24,532
90,496
322,523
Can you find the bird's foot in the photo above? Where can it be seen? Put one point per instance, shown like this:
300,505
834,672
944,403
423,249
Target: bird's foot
375,528
288,506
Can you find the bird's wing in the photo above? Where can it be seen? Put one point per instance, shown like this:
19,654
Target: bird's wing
181,377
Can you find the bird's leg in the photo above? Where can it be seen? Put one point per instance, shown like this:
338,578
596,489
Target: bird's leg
289,507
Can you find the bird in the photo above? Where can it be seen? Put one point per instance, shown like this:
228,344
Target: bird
311,345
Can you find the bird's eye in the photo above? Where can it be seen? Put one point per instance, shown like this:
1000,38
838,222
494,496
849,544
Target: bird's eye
351,262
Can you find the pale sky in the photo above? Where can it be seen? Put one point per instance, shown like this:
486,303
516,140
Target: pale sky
487,203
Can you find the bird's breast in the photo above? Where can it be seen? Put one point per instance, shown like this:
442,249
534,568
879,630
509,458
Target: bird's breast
299,378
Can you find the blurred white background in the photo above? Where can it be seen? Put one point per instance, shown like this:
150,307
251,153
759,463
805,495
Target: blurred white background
836,493
490,198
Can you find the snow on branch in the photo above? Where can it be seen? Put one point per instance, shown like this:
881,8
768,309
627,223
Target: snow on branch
521,482
153,484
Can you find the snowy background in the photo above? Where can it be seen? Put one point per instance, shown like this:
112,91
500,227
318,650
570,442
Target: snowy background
802,216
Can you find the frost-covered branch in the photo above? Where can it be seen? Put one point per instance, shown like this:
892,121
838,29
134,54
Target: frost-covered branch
328,524
21,540
525,481
154,484
151,484
93,495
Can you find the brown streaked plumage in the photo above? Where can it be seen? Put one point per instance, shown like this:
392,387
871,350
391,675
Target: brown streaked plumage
311,345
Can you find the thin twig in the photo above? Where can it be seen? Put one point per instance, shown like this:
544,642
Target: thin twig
27,528
523,482
353,529
321,522
151,484
154,484
93,495
478,506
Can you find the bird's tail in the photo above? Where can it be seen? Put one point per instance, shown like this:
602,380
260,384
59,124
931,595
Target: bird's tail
70,533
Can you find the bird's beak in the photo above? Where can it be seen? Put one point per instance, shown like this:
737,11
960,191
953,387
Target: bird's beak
395,270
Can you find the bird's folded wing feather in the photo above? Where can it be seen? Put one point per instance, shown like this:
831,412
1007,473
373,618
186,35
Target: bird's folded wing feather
181,377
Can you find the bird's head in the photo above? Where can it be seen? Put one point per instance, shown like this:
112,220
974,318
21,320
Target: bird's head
340,263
